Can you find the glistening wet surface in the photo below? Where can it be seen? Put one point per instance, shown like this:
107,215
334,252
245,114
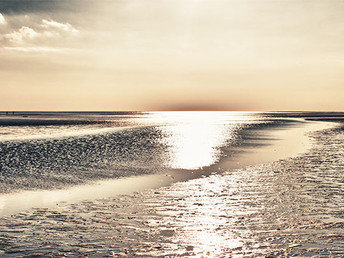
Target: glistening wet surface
289,207
54,157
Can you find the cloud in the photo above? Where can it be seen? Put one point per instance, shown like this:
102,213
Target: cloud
53,25
36,35
40,49
34,6
2,19
22,35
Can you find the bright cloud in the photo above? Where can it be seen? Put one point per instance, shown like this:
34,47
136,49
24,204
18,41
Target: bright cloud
2,19
23,34
53,25
37,34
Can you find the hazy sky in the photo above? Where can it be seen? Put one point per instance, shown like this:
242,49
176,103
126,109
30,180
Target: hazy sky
171,55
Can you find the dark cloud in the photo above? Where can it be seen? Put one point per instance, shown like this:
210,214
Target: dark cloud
38,6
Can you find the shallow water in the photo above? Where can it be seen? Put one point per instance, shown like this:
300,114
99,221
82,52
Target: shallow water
63,151
288,207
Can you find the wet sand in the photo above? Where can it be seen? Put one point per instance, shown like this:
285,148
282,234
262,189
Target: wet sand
289,207
264,146
276,143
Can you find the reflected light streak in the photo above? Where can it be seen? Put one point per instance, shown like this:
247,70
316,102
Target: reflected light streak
210,219
194,139
195,145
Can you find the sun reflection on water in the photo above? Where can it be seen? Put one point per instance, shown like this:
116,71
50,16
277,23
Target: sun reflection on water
194,139
206,216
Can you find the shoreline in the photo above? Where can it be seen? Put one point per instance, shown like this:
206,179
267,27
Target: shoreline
269,145
276,144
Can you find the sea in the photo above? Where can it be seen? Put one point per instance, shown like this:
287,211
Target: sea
165,184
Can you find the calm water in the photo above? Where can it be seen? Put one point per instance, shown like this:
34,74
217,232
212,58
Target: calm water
288,207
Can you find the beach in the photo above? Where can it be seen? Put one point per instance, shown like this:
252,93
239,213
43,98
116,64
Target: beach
272,188
171,128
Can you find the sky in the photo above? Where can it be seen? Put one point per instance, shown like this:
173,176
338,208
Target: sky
172,55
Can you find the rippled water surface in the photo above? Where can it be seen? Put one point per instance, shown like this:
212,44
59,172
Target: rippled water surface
56,151
293,206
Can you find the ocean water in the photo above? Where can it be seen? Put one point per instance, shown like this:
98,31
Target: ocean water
292,206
